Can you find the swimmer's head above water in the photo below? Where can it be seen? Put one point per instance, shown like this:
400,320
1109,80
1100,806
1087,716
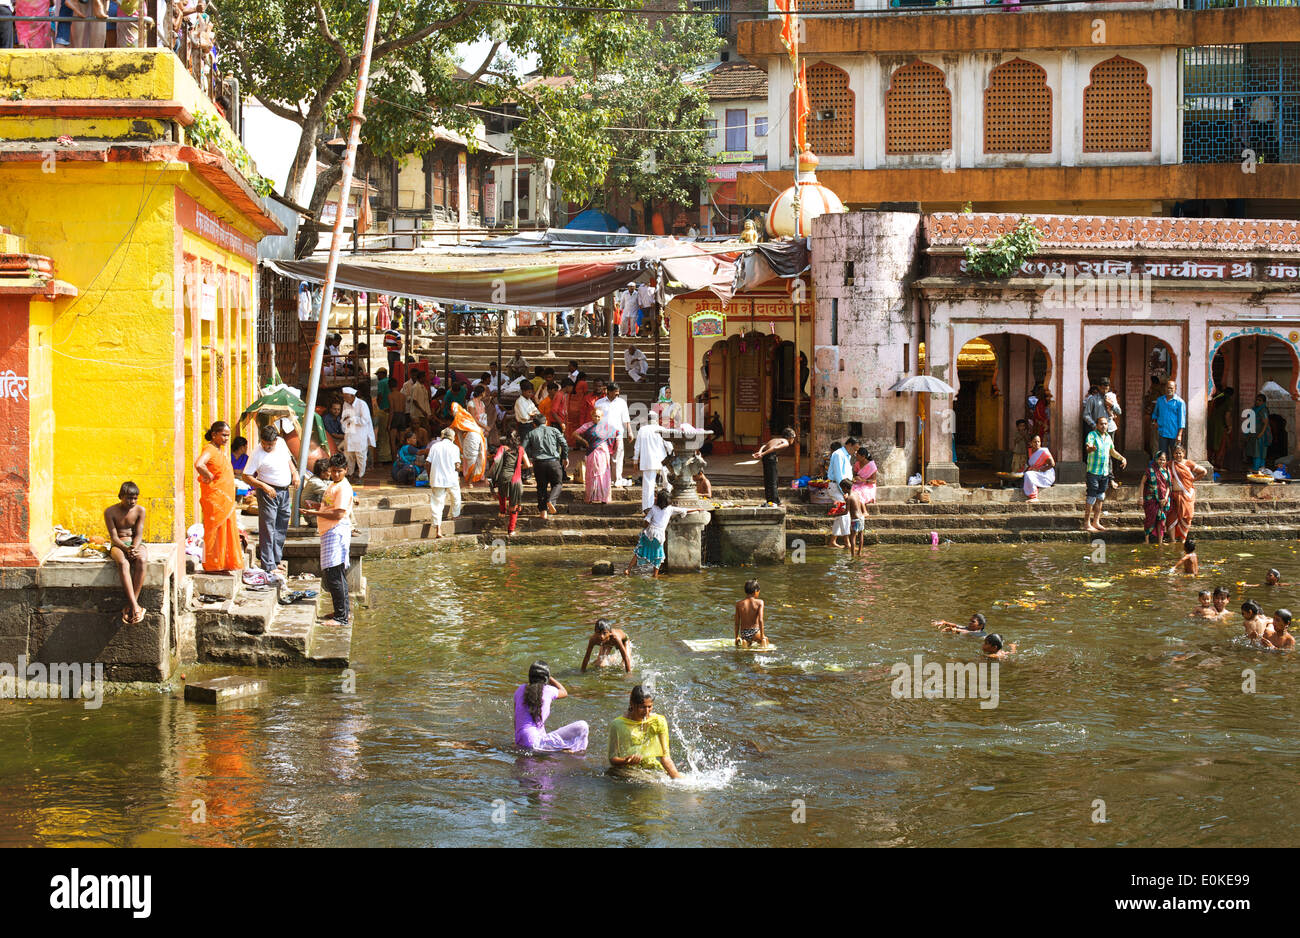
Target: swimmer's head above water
978,623
1204,597
1272,578
640,703
603,626
992,643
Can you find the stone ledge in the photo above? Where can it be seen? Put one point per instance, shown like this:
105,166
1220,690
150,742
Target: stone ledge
64,568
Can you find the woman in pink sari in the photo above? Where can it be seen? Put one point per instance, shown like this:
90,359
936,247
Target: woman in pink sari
33,35
1041,470
1183,474
864,476
596,440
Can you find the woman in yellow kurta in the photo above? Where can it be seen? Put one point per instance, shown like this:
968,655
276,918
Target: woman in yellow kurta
221,549
640,737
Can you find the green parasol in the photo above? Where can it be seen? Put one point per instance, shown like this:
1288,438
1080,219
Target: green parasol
282,402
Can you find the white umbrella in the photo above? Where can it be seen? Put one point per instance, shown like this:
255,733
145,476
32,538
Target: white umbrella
924,384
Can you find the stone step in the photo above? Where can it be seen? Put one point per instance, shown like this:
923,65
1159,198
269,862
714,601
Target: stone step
330,646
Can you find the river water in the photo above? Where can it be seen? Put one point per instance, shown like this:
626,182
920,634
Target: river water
1120,721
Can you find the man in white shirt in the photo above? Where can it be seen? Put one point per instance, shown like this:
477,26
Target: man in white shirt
634,361
525,406
617,416
444,477
645,303
650,451
272,474
358,433
629,309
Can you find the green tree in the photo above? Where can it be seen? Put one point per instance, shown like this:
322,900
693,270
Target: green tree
301,60
640,116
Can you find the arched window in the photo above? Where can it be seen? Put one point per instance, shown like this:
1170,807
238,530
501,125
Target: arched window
1017,109
918,111
1117,108
830,125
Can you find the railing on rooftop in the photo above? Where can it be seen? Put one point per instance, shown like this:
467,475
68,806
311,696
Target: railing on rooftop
721,22
185,28
1241,103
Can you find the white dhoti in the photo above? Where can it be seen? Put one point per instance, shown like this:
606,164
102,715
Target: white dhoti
617,461
649,485
438,496
356,462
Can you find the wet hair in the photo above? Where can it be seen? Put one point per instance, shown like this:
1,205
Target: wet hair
846,485
994,639
1284,615
603,625
751,587
1189,546
980,620
1221,591
788,433
1273,572
663,499
338,461
238,443
1203,595
639,696
216,428
1252,607
268,434
128,490
539,675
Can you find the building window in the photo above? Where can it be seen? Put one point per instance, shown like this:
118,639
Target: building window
1017,109
737,130
711,127
760,126
522,194
811,5
1117,108
830,123
918,111
1239,98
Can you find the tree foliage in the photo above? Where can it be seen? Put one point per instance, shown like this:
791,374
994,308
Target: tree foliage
301,60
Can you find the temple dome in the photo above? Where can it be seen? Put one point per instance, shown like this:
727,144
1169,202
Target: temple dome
814,200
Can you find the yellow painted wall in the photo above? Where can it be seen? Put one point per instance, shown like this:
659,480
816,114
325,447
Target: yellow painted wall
41,425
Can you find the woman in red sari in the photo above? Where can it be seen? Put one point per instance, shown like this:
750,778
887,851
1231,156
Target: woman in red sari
221,550
559,410
580,404
1183,474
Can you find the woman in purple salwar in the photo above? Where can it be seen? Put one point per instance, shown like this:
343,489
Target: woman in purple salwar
533,706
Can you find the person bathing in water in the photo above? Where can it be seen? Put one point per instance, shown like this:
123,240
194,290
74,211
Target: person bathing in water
640,737
1204,606
1253,621
609,642
1188,562
533,705
650,546
1219,600
1280,636
994,648
1272,578
976,625
749,618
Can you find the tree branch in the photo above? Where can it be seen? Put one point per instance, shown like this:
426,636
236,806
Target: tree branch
492,54
328,33
396,45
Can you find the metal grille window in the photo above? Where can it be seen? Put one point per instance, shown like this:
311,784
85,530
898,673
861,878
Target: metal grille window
918,111
721,22
826,5
1017,109
1241,100
1117,108
830,125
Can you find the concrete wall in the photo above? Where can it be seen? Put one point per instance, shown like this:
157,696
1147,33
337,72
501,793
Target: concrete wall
875,323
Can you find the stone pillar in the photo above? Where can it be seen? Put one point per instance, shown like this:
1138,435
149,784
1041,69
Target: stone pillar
1195,391
1069,383
942,426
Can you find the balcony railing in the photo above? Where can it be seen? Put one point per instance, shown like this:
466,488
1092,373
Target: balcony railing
188,32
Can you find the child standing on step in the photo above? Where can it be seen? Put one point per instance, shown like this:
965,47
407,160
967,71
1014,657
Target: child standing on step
650,546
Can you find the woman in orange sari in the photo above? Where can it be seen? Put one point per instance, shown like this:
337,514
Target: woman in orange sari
472,442
580,402
1183,474
221,550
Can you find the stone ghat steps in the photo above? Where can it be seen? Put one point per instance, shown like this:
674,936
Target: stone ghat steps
254,630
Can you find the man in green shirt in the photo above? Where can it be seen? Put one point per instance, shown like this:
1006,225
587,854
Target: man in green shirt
546,447
1099,450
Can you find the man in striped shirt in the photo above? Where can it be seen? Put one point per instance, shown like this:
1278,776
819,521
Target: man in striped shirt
1100,449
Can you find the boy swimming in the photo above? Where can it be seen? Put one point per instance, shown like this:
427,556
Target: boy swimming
994,648
1253,621
1219,602
976,624
1188,562
609,641
1204,605
1280,636
749,618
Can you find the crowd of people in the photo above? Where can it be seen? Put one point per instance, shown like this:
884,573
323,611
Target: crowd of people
87,24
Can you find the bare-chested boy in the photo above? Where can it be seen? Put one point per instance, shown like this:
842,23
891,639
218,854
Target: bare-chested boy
994,648
1219,603
749,618
1280,635
857,520
1188,562
977,624
609,640
1253,621
125,523
1204,606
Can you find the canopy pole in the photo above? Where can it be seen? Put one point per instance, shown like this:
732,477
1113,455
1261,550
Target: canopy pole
798,421
336,244
501,331
612,327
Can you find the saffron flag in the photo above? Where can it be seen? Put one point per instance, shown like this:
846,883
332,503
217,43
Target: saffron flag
789,38
802,109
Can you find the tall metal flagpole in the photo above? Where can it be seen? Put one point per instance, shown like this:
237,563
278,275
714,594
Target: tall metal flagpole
336,245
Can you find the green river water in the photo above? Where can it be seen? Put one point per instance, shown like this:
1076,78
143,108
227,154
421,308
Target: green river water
1115,696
